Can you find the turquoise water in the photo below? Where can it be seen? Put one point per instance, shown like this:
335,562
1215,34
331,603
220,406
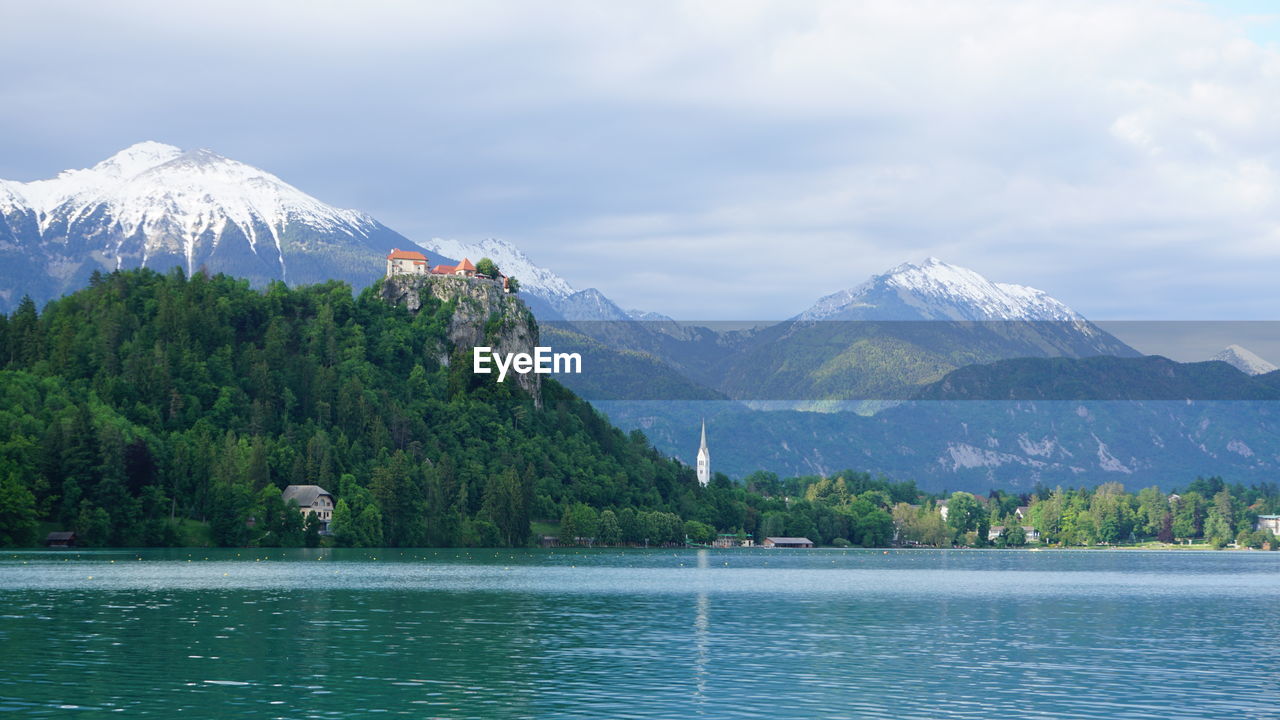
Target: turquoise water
640,634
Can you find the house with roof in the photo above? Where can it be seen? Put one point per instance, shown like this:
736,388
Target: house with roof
995,531
1268,522
311,499
787,542
406,262
463,269
63,538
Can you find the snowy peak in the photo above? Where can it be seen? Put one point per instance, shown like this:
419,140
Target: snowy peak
159,206
45,196
1244,361
134,160
935,290
533,278
590,305
153,199
152,176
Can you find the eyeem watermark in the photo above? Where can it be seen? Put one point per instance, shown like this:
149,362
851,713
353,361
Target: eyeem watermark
541,362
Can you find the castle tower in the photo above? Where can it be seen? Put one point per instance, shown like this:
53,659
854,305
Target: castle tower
704,459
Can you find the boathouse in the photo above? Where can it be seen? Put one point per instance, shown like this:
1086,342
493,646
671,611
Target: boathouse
787,542
60,539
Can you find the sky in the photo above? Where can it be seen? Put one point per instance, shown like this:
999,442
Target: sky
718,160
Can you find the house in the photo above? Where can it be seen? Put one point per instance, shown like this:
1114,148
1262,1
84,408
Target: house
406,262
787,542
462,269
1268,522
311,499
60,539
1031,533
732,540
1022,512
942,509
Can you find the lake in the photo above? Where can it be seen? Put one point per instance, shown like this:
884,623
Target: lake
640,634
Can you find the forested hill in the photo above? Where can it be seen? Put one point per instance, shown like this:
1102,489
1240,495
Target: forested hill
146,396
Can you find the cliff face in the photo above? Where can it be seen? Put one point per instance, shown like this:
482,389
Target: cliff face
483,315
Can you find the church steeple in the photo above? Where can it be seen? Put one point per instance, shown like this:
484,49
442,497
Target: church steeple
704,459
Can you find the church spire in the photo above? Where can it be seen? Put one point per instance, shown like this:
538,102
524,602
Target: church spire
704,458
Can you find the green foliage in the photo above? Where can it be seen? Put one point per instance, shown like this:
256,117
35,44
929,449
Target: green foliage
18,518
148,396
699,532
579,525
608,530
1013,536
1108,514
964,515
487,267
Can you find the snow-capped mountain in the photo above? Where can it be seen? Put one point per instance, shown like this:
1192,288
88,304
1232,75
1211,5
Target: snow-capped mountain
648,316
159,206
1244,361
935,290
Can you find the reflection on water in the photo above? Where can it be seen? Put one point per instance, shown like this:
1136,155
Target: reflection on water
701,627
579,634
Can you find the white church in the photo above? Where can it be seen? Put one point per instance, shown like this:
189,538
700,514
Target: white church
704,459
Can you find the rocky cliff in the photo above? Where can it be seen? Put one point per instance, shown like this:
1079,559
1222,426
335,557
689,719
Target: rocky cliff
483,315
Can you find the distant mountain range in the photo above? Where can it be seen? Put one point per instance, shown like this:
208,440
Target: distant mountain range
1036,378
881,340
160,206
1013,423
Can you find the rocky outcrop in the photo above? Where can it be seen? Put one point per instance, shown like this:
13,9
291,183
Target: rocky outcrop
483,315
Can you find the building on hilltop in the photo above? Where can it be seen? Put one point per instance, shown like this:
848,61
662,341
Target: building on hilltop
406,262
400,262
704,459
462,269
311,499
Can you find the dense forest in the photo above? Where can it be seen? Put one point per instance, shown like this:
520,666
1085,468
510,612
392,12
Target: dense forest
153,409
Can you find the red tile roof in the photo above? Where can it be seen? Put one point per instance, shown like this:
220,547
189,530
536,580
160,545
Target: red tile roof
398,254
465,265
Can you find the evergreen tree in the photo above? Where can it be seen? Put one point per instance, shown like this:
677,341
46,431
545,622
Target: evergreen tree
18,520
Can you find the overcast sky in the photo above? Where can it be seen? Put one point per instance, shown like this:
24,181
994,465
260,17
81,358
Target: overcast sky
727,160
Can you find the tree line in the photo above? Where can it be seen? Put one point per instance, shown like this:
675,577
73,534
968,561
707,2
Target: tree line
1206,510
160,409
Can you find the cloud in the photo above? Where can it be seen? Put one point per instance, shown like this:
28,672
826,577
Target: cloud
717,159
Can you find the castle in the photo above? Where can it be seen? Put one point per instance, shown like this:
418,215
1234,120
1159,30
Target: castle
409,262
